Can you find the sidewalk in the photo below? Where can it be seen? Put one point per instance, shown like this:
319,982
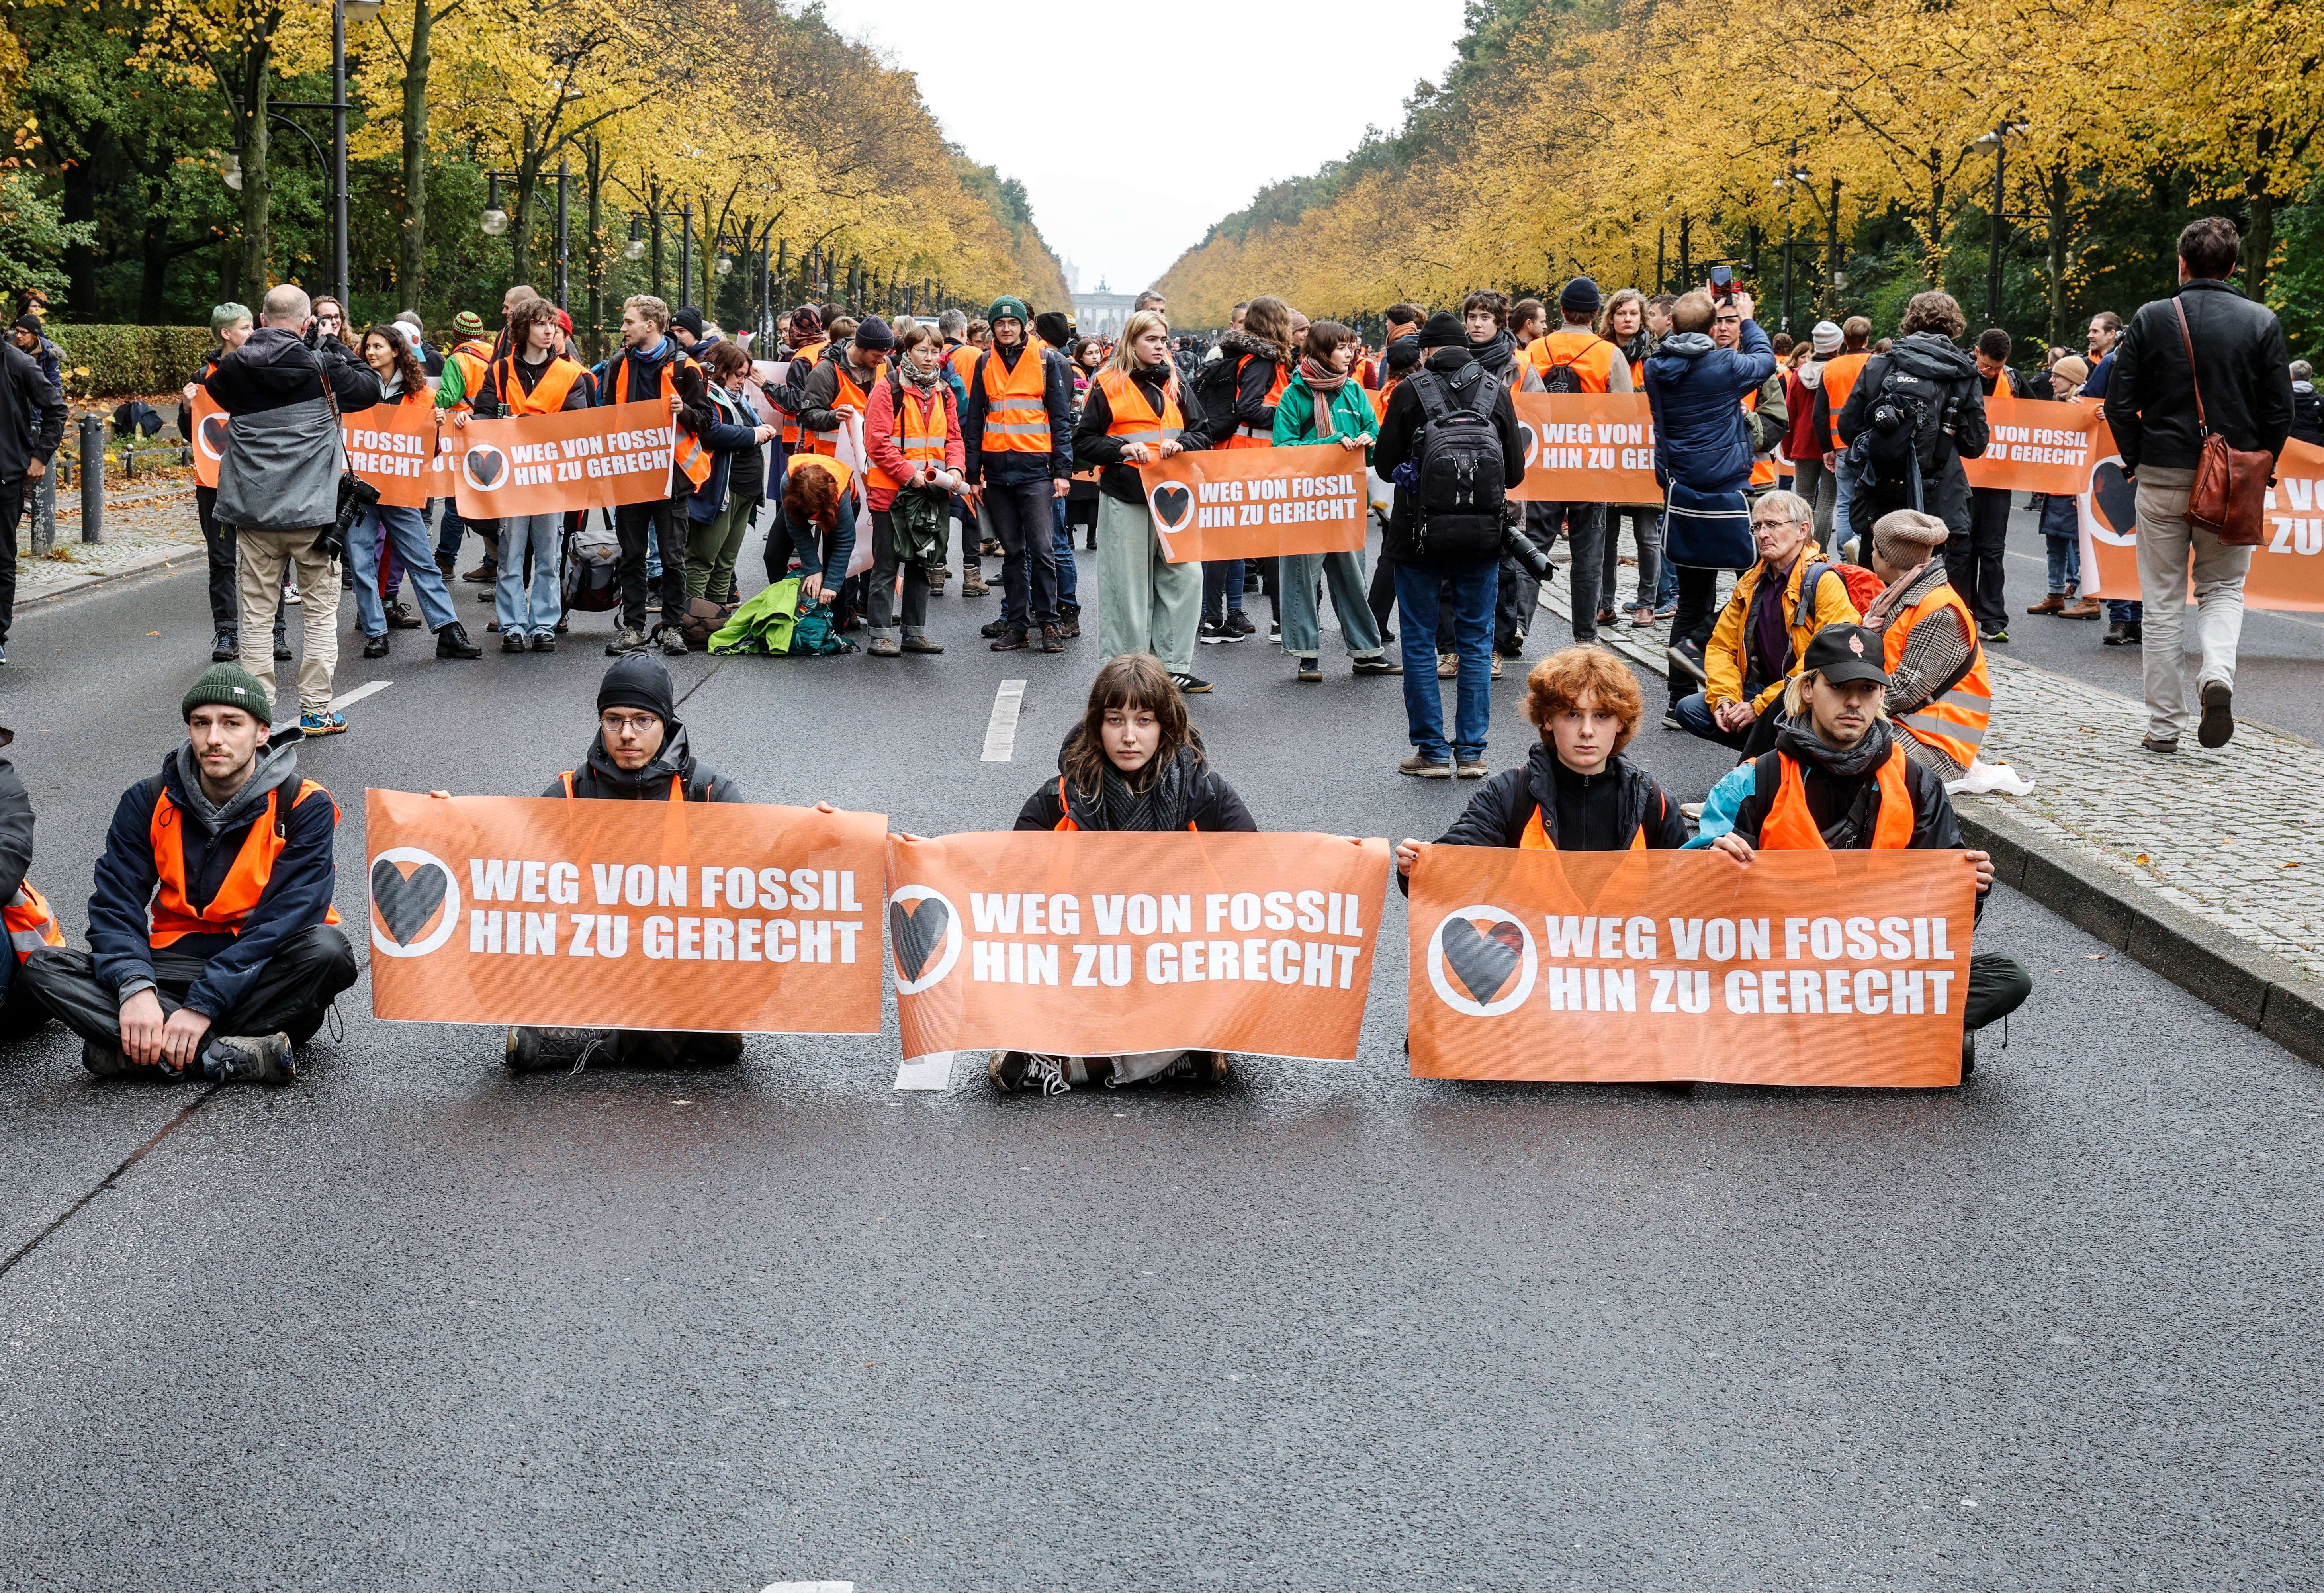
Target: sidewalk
144,527
2207,866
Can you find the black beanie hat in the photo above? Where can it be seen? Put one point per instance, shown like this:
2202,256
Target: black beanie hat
1053,328
873,333
1443,330
690,319
637,680
1578,298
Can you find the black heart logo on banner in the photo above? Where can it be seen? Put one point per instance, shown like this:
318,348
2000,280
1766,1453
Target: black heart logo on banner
213,432
484,466
917,929
1172,504
2116,498
1483,959
406,902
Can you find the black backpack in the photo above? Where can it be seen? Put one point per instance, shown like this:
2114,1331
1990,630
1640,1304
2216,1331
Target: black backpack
1216,386
1905,440
1460,486
1561,377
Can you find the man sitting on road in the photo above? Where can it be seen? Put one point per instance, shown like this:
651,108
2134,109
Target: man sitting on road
1840,780
1939,691
31,925
640,754
213,946
1764,629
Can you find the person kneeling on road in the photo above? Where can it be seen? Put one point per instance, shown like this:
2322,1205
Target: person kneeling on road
214,949
640,754
1576,792
1840,780
1135,763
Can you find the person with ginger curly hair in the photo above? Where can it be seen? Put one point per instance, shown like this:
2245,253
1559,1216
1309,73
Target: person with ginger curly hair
1576,792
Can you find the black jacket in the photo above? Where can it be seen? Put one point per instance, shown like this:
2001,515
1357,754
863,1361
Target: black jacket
1400,432
2308,414
1953,386
1011,467
32,413
1214,805
600,778
1121,480
1581,813
2240,355
1847,808
275,368
1251,384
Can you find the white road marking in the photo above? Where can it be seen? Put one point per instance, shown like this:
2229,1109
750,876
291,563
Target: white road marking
348,700
931,1072
1001,730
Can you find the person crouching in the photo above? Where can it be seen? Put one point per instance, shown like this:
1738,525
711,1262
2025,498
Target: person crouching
1134,763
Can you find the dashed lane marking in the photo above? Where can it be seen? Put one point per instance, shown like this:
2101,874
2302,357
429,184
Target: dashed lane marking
1001,730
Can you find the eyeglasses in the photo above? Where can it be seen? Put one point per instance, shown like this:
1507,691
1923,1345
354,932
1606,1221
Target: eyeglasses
622,724
1769,525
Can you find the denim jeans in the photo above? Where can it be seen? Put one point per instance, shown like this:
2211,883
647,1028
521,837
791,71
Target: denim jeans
534,612
1845,473
1067,578
1221,590
409,532
2065,565
1472,591
449,529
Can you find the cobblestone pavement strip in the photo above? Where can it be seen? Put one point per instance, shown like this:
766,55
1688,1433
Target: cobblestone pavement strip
141,524
2232,835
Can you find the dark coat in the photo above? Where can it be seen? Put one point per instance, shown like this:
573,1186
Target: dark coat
1619,802
1251,384
600,778
2240,356
1215,805
1121,480
1400,428
1950,373
32,413
1695,389
15,845
275,369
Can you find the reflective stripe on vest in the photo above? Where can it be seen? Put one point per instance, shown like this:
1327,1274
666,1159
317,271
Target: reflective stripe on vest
31,924
1015,405
685,450
810,353
1536,835
1789,826
174,916
1064,808
1953,722
1253,436
925,446
677,786
1134,419
547,394
1839,374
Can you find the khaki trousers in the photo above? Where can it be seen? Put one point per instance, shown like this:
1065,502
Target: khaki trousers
2171,549
260,560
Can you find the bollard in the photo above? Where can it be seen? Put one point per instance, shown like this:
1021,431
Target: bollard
44,511
92,478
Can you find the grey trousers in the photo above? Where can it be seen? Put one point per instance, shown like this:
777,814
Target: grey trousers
2168,547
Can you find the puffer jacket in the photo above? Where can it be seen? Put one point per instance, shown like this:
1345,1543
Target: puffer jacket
599,777
1212,803
1946,376
1623,796
1695,388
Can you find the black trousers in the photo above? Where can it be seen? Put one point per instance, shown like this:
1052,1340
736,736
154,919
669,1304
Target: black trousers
1585,529
290,994
1698,605
12,494
1382,595
880,601
1973,562
1997,987
1024,518
664,520
218,539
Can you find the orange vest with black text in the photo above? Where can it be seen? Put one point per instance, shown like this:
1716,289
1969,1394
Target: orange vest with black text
1789,826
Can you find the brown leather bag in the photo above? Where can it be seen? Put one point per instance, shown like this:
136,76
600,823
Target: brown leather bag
2229,498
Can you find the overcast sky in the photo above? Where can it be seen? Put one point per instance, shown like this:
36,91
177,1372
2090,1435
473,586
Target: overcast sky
1123,201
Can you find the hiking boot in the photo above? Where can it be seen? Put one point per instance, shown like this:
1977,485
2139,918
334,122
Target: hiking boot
992,629
534,1050
884,646
1471,769
452,642
375,647
107,1062
1498,662
1969,1055
1010,641
1053,641
512,642
1687,656
1309,668
1190,685
973,585
225,646
2118,633
936,580
1015,1071
1240,625
2081,608
673,642
483,572
326,723
545,641
1426,769
250,1059
1448,665
2219,724
2134,632
1069,623
916,641
2052,604
400,618
629,639
1377,664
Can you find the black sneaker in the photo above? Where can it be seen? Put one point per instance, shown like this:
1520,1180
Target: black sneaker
993,629
1010,641
1026,1072
1190,685
282,651
1379,665
512,641
105,1062
1310,668
1211,635
226,648
534,1050
251,1059
1993,633
375,647
545,642
1238,625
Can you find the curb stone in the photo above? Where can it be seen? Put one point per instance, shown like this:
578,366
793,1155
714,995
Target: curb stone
161,558
2255,988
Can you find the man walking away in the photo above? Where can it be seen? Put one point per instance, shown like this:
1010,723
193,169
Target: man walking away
279,486
2160,408
214,949
31,424
1914,414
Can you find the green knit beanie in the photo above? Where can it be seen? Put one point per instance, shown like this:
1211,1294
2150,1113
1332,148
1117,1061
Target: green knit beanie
230,686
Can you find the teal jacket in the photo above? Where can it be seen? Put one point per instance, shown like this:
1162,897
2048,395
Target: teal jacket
1350,415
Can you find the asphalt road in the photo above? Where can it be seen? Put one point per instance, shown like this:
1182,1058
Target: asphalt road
415,1325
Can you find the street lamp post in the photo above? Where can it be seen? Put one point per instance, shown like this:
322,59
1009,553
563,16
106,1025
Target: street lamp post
1996,143
343,12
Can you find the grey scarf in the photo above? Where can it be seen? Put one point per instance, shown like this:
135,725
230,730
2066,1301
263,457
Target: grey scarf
1159,804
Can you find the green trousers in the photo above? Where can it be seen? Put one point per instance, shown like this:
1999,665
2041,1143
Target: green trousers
711,547
1145,603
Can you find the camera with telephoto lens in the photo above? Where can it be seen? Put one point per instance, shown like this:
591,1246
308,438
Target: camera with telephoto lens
1527,552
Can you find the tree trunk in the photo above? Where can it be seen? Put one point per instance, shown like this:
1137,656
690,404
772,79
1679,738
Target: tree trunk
257,190
153,262
528,184
592,258
80,258
2060,192
411,267
2259,238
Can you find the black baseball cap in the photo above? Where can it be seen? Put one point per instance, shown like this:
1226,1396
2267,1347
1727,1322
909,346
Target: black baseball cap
1843,653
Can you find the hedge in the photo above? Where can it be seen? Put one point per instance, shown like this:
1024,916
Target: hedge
125,362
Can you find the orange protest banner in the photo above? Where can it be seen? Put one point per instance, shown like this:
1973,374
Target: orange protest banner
1089,944
550,463
724,918
392,446
1587,448
1258,502
2287,572
1799,968
2037,445
209,424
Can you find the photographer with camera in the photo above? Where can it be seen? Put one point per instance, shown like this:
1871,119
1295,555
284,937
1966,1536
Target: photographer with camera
1913,415
279,486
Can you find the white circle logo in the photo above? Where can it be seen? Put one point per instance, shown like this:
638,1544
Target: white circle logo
405,900
923,943
1470,957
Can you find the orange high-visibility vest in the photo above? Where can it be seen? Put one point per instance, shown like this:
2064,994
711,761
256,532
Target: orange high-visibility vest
31,924
677,786
1066,821
547,394
1587,355
810,354
1252,437
1763,471
849,392
1134,419
1536,834
963,360
1839,374
473,358
839,471
921,433
1016,404
1789,827
1953,721
175,917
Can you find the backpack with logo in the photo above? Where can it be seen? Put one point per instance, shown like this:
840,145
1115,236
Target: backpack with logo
1562,376
1908,414
1459,485
591,555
